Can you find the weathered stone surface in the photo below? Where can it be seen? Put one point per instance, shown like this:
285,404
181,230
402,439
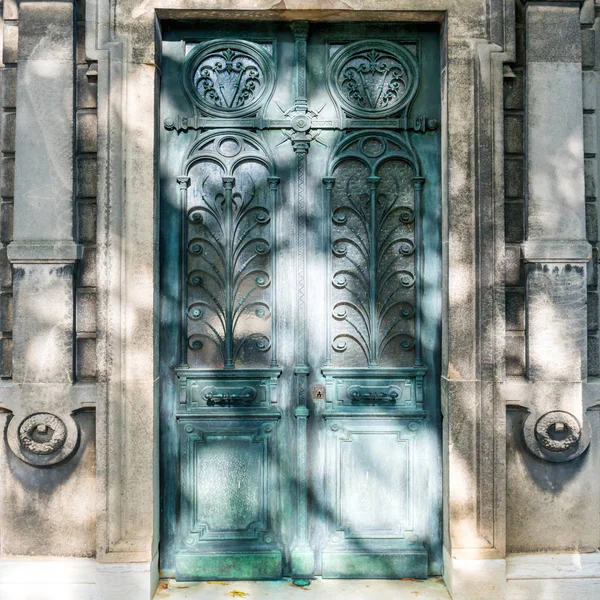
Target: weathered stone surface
11,43
43,195
557,319
8,85
555,178
87,133
43,323
547,24
544,504
51,512
46,31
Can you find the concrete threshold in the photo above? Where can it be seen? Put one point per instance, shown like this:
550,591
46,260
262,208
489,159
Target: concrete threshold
326,589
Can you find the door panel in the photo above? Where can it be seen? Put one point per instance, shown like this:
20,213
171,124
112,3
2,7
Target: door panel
300,311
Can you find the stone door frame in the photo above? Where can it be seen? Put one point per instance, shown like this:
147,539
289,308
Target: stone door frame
124,38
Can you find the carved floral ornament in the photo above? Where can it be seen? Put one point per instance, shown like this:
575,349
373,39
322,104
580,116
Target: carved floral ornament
228,78
43,439
556,436
377,78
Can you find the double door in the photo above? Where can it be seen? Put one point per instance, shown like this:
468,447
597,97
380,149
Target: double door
300,301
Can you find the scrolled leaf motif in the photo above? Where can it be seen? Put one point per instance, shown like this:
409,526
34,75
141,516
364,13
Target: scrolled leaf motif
373,256
230,259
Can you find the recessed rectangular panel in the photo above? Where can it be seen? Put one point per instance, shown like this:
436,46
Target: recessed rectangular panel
375,565
227,487
374,485
226,566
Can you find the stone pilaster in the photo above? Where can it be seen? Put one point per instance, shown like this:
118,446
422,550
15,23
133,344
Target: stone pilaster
41,431
553,428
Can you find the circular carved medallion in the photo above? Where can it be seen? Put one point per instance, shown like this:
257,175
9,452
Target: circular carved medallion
556,436
43,439
373,79
228,78
558,431
42,433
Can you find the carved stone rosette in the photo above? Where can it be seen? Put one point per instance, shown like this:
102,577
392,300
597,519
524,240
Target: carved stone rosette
43,439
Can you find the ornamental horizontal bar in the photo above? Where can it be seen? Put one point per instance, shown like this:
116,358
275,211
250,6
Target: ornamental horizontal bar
196,123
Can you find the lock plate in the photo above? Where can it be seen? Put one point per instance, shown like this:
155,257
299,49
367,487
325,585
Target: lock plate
318,392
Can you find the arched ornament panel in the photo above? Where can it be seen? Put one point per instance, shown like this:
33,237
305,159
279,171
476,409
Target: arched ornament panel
373,192
228,197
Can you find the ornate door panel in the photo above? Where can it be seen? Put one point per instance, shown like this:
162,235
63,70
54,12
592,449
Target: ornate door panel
300,301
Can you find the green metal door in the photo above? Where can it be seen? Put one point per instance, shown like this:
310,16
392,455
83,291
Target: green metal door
300,300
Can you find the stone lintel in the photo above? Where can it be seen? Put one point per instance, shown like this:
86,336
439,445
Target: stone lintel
556,251
44,252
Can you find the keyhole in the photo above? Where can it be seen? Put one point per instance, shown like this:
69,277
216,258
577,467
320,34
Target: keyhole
319,394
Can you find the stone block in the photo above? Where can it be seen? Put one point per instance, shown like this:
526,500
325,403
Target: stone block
87,268
591,221
592,312
515,355
86,222
513,265
590,85
592,269
514,184
86,369
547,23
590,134
43,323
513,134
5,357
557,319
11,10
588,48
44,150
8,85
46,31
85,311
514,100
6,312
587,16
10,50
87,132
7,177
5,269
590,172
9,120
555,151
593,359
6,222
515,310
87,91
87,173
514,213
80,49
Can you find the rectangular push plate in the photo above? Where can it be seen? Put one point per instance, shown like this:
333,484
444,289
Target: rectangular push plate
318,392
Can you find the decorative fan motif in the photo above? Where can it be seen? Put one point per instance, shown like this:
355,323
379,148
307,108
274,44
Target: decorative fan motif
373,261
229,260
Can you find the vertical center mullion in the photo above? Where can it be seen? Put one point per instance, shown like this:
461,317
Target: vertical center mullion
228,183
373,291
